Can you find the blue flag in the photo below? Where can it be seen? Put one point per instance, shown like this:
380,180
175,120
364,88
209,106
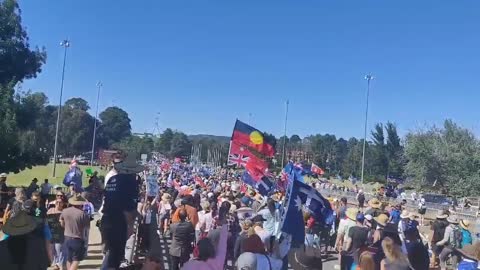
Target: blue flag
292,220
264,186
302,197
295,172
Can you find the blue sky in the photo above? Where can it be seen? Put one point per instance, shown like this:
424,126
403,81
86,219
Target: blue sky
201,64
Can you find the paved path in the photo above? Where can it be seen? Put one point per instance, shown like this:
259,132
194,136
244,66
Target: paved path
94,257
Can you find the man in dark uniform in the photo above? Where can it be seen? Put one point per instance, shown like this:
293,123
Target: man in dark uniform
119,210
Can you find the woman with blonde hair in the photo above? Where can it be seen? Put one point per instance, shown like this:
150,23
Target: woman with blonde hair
394,258
15,204
366,261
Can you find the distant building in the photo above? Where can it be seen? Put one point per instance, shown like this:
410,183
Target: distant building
144,135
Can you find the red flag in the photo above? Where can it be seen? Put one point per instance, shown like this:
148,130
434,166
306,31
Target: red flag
317,170
251,137
256,167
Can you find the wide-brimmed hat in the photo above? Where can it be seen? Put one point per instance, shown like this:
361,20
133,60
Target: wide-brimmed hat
166,197
452,219
374,203
382,219
3,175
471,251
258,218
129,165
464,224
405,214
19,224
77,200
351,213
442,214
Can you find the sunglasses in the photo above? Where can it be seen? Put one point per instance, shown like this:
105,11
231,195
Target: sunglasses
59,195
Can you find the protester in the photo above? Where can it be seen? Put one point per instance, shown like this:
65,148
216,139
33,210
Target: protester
75,221
3,189
272,217
374,208
466,234
470,257
164,212
187,205
417,252
422,209
438,230
32,188
205,221
346,258
394,258
45,190
182,239
254,256
209,257
452,239
381,222
245,225
366,262
57,231
25,246
15,204
357,240
119,210
361,199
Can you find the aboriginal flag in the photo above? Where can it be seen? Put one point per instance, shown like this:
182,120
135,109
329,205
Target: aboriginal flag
251,138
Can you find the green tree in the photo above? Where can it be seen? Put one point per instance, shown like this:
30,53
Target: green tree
135,145
379,154
394,151
180,145
17,60
164,143
77,104
114,126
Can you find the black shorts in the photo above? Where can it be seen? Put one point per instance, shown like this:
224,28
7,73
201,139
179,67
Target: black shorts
114,235
75,248
422,211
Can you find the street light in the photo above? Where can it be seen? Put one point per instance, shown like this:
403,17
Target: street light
65,44
99,85
368,77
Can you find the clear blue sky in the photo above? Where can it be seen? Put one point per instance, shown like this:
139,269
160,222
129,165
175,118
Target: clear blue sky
201,64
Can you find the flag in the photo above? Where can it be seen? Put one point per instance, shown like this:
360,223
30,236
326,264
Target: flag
199,181
294,172
292,219
316,170
256,167
263,186
238,160
251,138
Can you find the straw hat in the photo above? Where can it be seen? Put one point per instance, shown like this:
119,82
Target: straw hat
382,219
3,175
374,203
441,214
77,200
166,197
464,224
405,214
471,251
20,224
351,213
129,165
452,220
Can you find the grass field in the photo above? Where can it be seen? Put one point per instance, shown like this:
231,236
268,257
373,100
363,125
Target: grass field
24,178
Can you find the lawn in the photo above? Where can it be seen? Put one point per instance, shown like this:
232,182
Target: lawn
24,178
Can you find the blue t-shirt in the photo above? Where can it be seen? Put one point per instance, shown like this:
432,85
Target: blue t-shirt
395,215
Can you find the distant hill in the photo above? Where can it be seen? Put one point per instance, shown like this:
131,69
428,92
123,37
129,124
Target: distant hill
198,137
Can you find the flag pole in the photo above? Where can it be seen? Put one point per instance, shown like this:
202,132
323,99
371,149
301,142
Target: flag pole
285,133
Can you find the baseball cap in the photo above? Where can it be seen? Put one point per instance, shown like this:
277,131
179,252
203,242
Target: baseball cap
360,217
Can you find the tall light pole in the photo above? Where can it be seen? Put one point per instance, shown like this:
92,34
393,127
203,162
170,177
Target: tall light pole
65,44
99,86
368,77
285,133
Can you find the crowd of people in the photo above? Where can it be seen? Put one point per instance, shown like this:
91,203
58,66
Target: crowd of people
214,221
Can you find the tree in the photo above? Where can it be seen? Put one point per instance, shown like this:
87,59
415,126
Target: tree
180,145
394,152
379,154
164,143
295,139
77,104
135,145
444,157
18,150
115,126
17,60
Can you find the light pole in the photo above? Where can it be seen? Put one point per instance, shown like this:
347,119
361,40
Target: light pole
99,85
368,77
65,44
284,133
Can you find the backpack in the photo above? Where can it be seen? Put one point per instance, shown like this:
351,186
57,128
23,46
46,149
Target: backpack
466,238
457,238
